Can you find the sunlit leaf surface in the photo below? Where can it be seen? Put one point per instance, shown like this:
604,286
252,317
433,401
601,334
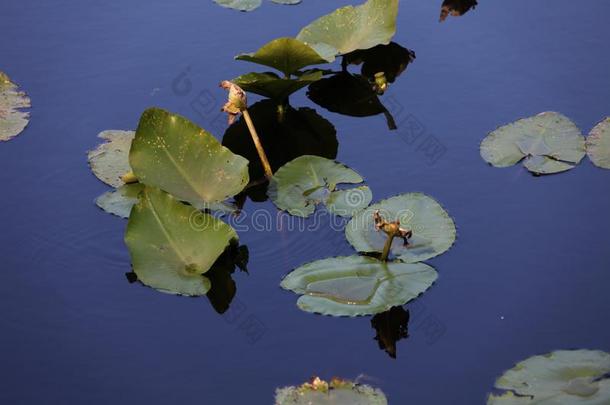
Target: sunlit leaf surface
598,144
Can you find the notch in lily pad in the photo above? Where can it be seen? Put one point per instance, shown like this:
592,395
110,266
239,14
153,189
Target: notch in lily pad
547,143
303,183
560,377
336,392
13,102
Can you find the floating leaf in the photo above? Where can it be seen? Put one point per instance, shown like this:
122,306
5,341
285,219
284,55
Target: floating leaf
350,28
336,392
566,377
298,186
241,5
172,244
433,230
598,144
120,201
357,285
12,120
549,142
271,85
175,155
288,55
110,160
287,2
456,8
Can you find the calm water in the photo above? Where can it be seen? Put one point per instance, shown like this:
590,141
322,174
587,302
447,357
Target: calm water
529,273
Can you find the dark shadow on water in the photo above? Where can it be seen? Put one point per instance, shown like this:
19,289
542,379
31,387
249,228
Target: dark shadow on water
391,326
456,8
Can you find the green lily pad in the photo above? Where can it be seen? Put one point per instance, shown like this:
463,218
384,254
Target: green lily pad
549,142
350,28
172,244
433,229
271,85
12,119
566,377
337,392
110,160
172,153
288,55
357,285
241,5
598,144
299,185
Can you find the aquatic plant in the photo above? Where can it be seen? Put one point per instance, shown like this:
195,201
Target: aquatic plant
13,118
337,392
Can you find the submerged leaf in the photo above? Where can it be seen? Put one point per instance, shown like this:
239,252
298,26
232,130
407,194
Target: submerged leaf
563,377
175,155
357,285
271,85
110,160
288,55
433,230
350,28
172,244
241,5
598,144
549,142
298,186
12,119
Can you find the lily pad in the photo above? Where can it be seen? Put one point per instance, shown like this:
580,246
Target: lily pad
120,201
288,55
110,160
299,185
357,285
350,28
336,392
566,377
241,5
12,119
549,142
175,155
598,144
271,85
172,244
433,230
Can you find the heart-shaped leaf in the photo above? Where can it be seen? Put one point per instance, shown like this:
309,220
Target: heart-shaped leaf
598,144
350,28
110,160
433,230
171,153
566,377
172,244
288,55
299,185
271,85
549,142
357,285
12,119
335,392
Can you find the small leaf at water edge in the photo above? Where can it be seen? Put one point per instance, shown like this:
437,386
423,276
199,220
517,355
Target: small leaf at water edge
172,244
110,160
288,55
549,142
241,5
299,185
357,285
271,85
172,153
120,201
566,377
335,392
598,144
350,28
288,2
433,229
12,119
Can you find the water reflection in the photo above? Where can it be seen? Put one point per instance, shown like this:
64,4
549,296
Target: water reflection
456,8
391,326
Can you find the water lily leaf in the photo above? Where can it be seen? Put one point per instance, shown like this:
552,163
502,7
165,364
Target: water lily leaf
110,160
271,85
12,119
288,55
172,244
120,201
288,2
175,155
347,202
391,59
350,28
357,285
566,377
549,142
433,229
241,5
335,392
299,185
598,144
456,8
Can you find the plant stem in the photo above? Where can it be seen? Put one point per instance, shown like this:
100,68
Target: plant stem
257,143
129,178
386,247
